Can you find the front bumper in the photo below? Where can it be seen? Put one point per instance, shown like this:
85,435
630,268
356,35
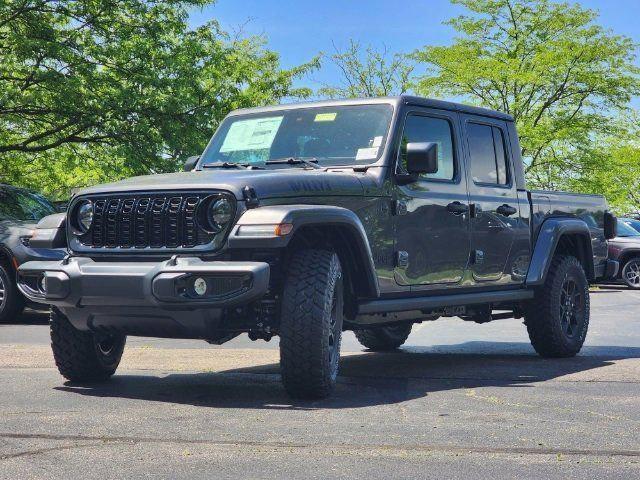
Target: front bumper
23,254
82,282
146,298
612,269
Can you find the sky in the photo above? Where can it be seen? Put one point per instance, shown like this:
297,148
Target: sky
299,29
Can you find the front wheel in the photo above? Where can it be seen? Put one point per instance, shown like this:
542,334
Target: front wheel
557,319
84,356
311,324
631,273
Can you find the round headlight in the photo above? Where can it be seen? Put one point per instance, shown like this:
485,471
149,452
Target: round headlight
85,216
220,212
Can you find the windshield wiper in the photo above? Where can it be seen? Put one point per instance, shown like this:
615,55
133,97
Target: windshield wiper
226,165
312,162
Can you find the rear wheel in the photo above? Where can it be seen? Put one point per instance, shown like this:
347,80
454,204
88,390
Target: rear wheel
631,273
311,324
380,339
558,318
84,356
11,301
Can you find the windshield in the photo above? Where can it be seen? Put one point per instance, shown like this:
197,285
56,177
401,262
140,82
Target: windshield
625,230
339,135
632,222
22,205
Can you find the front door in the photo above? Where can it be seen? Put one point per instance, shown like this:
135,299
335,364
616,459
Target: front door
432,218
495,222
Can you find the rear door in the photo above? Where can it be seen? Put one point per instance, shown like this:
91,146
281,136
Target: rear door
495,213
432,221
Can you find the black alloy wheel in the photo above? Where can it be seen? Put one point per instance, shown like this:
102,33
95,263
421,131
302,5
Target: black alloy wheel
571,307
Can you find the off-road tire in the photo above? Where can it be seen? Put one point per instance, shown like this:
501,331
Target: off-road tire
311,324
384,339
631,269
553,329
82,356
11,300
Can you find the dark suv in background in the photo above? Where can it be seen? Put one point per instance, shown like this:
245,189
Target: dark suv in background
20,211
625,248
631,222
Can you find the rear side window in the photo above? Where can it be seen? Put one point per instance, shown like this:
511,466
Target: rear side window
420,129
488,158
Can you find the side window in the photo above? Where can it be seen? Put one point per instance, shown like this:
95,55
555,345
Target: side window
488,158
418,128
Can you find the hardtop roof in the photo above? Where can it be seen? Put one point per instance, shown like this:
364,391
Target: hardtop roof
402,99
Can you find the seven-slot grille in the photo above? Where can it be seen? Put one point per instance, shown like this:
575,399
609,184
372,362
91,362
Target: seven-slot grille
164,220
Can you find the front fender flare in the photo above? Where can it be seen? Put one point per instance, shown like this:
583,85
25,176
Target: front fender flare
551,231
50,232
310,215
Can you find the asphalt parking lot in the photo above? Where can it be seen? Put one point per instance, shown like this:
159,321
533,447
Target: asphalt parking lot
459,401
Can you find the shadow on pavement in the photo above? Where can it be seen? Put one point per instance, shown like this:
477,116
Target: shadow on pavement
30,317
366,379
613,288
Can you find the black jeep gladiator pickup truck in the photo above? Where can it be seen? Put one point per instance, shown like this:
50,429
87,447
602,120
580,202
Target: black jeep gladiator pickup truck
306,220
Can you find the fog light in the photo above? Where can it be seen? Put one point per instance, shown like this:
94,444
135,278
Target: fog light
43,284
200,286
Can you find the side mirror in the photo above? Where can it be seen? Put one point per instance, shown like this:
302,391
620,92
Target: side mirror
422,158
191,163
610,225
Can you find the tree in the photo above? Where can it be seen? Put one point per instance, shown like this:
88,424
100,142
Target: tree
369,72
92,90
613,168
615,173
562,77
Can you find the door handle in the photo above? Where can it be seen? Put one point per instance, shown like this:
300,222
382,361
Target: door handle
457,208
506,210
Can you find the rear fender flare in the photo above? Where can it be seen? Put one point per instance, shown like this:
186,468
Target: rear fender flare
550,235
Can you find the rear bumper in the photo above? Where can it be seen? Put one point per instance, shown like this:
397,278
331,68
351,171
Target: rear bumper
82,282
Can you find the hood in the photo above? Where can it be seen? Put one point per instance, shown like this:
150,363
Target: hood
19,227
274,183
626,241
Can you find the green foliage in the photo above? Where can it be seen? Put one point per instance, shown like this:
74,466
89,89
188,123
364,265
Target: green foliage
563,77
369,73
97,90
616,174
93,90
612,168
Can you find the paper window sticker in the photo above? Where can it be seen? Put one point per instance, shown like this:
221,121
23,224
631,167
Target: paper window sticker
325,117
251,134
367,153
377,141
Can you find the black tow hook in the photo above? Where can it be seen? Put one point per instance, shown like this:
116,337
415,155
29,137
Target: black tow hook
261,333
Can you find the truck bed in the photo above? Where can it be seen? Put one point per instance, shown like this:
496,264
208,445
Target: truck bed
589,208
